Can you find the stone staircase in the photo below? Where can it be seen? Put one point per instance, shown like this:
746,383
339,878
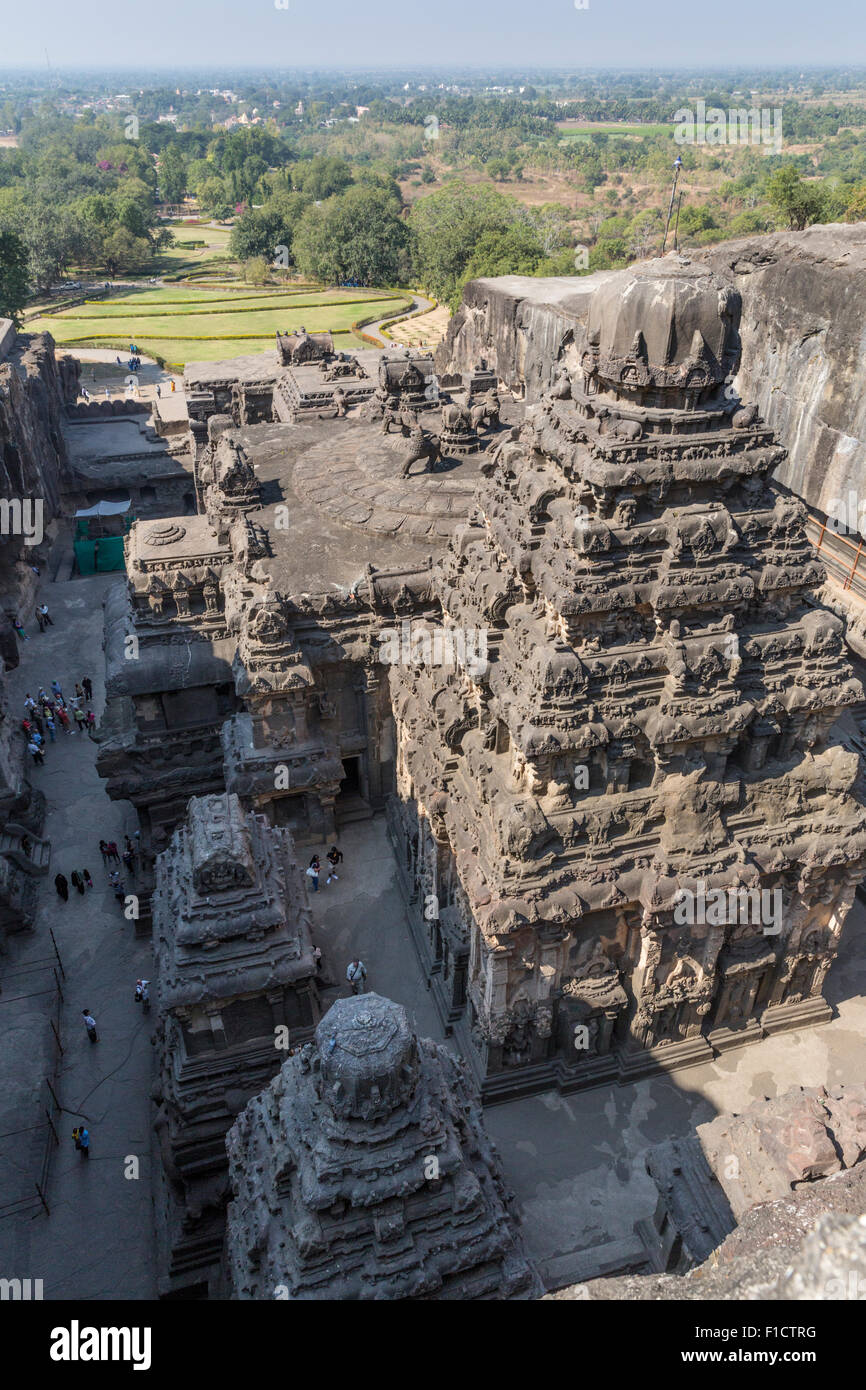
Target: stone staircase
39,858
351,807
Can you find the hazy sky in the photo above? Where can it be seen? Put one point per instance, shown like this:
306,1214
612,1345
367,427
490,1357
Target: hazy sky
462,33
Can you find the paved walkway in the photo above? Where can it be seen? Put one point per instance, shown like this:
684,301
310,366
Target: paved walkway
363,914
97,1242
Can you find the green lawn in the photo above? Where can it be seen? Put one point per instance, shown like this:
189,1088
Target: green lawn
190,325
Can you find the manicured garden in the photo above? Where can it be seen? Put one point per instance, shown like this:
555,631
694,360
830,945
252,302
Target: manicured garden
183,324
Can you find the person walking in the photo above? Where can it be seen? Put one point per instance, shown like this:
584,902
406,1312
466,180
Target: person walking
52,729
64,718
80,720
77,881
90,1025
335,857
103,850
79,693
27,729
90,720
29,703
313,872
112,850
58,693
40,620
129,862
88,688
45,617
62,887
34,748
40,727
16,623
81,1136
356,974
85,874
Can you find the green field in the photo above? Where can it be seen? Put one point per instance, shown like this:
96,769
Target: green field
189,325
583,132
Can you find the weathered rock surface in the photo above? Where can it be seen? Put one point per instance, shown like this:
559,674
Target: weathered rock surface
234,953
810,1245
804,350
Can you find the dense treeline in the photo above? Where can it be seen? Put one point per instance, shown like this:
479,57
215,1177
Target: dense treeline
425,186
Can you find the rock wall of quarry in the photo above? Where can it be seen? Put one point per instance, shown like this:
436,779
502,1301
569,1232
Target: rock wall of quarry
33,467
803,333
34,388
519,324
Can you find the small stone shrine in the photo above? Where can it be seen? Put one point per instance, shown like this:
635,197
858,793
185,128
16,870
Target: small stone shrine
237,977
363,1171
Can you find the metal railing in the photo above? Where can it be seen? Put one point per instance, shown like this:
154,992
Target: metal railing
841,554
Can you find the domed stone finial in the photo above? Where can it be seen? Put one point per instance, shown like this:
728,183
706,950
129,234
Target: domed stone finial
664,324
369,1056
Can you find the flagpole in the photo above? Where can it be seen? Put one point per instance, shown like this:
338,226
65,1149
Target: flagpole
678,164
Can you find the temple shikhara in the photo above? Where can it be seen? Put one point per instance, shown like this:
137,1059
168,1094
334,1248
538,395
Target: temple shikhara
658,716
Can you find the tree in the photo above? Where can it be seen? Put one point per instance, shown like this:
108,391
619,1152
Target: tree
213,198
321,177
798,202
446,227
856,210
172,175
357,235
513,250
13,276
126,253
257,271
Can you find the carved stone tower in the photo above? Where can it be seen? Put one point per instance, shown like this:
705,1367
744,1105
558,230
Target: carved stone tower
364,1172
636,831
237,988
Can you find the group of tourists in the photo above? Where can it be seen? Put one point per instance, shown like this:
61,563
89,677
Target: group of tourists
50,710
110,854
43,618
356,971
334,857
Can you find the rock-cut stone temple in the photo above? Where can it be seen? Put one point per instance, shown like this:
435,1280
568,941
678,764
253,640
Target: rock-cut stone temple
631,834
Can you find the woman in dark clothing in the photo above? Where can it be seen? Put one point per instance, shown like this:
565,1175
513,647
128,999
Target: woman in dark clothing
77,881
62,887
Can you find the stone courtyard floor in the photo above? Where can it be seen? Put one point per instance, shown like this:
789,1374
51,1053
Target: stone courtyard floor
575,1163
98,1240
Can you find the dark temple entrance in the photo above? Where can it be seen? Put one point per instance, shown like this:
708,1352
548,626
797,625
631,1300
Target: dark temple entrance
352,803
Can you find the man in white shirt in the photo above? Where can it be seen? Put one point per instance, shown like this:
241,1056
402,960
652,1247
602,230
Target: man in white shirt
356,974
